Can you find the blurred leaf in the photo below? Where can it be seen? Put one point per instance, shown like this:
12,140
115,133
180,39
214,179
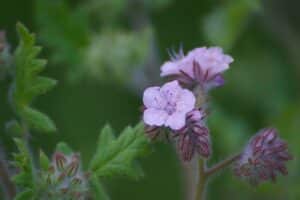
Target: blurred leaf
223,26
64,148
116,53
117,157
37,120
25,195
157,4
27,84
25,177
111,10
44,161
62,29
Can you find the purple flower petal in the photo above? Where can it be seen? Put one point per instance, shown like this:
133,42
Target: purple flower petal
152,98
176,121
155,117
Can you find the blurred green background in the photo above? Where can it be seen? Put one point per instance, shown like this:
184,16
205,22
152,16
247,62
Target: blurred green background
104,52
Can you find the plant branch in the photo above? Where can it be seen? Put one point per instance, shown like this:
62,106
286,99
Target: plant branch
221,165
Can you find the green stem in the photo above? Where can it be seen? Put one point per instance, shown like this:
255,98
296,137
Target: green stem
221,165
202,179
204,174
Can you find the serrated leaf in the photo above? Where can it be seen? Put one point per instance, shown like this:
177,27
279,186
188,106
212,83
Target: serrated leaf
27,84
23,162
40,86
37,120
64,148
117,157
107,136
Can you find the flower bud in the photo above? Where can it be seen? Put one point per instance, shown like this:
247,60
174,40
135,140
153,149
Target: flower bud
194,137
65,177
263,158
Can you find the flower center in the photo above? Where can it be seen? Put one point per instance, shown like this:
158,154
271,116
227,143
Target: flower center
170,108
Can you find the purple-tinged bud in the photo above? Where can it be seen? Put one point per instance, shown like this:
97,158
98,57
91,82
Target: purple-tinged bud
60,161
263,158
72,168
65,177
76,181
194,137
152,131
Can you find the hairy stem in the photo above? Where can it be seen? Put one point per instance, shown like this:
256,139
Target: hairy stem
221,165
202,178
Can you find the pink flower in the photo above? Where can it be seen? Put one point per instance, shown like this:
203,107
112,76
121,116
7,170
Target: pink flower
201,65
263,158
167,105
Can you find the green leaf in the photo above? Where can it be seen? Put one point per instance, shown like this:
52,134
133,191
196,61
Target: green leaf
40,86
37,120
44,161
64,148
117,157
27,84
25,195
23,162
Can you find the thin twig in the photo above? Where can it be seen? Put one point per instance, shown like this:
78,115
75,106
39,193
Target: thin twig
221,165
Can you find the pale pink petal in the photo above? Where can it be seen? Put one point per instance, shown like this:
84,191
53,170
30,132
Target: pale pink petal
171,91
176,121
155,117
153,99
169,68
186,102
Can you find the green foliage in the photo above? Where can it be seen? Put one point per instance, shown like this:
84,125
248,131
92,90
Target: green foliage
91,43
225,24
44,161
64,148
116,53
63,30
116,156
157,4
27,84
25,178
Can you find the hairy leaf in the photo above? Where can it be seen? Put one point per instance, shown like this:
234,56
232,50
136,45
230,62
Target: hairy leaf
64,148
28,84
117,156
25,177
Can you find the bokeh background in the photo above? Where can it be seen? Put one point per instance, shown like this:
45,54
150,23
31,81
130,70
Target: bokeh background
105,52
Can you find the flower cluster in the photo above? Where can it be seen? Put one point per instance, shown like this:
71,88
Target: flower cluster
65,178
176,108
263,158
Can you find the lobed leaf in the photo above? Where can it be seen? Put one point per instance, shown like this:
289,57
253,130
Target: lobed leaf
28,84
118,156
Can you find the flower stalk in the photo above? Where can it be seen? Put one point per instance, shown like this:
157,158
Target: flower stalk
202,180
